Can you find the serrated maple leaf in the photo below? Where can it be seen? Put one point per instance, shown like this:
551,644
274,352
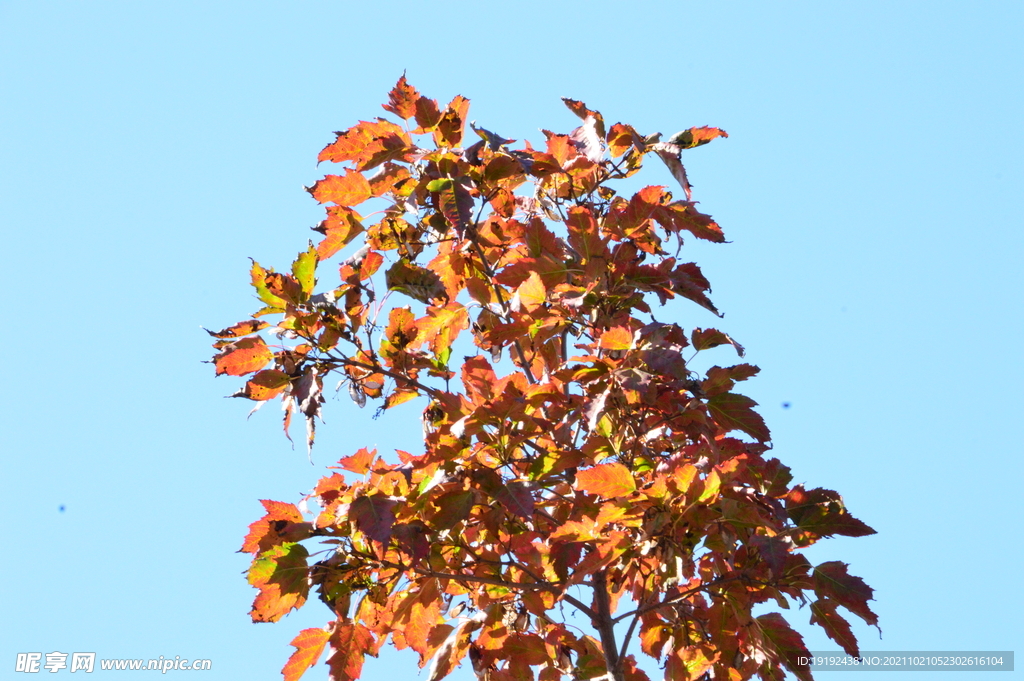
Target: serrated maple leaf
417,282
280,575
669,154
266,385
402,99
349,189
374,516
823,613
831,580
267,531
350,642
822,512
531,294
616,338
243,357
694,137
690,662
309,644
705,339
608,480
735,412
786,644
358,462
341,226
240,329
621,138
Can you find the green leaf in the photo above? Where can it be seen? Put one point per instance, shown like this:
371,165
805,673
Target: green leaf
304,269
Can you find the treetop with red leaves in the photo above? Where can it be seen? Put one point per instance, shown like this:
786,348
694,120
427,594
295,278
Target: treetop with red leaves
573,462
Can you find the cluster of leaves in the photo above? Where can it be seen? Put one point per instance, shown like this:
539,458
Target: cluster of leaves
601,475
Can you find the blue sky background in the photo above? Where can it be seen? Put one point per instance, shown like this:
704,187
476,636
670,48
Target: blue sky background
870,185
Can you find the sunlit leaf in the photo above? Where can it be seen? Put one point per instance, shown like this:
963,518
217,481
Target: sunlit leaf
309,644
402,99
240,329
349,189
608,480
243,357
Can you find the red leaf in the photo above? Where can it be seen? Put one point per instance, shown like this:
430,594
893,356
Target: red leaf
823,513
823,613
684,215
787,644
831,580
358,462
735,412
402,99
705,339
309,645
350,643
349,189
373,515
607,480
243,357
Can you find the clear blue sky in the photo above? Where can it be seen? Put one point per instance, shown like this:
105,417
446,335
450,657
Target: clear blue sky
870,185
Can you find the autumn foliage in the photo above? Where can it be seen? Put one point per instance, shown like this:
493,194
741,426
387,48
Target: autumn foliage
583,495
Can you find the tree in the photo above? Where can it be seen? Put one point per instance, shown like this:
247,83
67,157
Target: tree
574,463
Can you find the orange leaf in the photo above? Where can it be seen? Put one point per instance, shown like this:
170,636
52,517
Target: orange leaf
369,144
280,575
266,385
694,137
309,645
349,189
617,338
532,293
243,357
341,226
279,515
453,123
349,644
358,462
607,480
402,99
240,329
